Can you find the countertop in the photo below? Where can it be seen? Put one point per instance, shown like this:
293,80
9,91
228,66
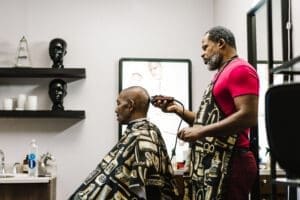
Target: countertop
23,178
261,172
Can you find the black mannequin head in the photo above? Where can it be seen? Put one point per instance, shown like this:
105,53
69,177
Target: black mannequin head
57,92
57,51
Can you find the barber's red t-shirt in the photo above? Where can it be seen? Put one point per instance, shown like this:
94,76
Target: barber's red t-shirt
236,79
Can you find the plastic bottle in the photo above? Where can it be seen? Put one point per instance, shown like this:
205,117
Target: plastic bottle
33,159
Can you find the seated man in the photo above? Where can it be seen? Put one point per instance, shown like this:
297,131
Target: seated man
138,166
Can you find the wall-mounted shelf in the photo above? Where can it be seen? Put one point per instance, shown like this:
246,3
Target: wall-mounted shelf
31,75
21,75
70,114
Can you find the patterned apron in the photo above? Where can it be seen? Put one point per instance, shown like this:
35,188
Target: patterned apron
210,156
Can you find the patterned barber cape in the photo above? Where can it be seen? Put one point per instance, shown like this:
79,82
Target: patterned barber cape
139,159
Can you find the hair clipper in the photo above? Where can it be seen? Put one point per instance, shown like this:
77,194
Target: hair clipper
155,98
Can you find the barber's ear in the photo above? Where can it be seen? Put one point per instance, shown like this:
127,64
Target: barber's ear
65,52
222,43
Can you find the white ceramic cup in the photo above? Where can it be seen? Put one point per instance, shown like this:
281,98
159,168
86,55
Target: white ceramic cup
8,104
31,103
21,102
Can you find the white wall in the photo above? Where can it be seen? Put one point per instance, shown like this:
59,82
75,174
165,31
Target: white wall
233,15
98,34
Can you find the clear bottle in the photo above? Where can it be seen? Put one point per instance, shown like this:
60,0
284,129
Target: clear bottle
33,159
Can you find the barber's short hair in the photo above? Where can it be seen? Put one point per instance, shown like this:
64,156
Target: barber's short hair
219,32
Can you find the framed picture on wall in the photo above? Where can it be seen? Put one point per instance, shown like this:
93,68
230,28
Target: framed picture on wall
169,77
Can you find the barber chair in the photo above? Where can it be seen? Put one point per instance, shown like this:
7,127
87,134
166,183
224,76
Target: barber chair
282,115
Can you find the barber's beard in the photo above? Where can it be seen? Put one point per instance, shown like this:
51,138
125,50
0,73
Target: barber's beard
214,62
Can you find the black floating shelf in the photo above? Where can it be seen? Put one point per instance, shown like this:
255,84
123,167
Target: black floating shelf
29,74
69,114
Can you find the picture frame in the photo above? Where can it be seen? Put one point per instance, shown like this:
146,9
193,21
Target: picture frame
160,76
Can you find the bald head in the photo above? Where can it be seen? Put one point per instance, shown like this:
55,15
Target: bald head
132,103
139,96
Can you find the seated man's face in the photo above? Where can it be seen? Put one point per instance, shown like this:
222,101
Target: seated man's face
122,109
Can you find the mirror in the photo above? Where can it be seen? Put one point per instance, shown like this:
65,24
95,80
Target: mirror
169,77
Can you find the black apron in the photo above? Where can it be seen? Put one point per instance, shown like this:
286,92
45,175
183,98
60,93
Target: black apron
210,156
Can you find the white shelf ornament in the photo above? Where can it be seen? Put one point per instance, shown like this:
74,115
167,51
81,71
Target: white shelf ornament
23,58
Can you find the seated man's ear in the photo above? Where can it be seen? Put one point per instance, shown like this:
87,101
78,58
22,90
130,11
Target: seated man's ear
131,102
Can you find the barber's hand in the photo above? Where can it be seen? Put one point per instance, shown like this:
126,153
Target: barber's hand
190,134
166,104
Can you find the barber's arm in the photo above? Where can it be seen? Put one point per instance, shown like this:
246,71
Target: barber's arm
244,117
